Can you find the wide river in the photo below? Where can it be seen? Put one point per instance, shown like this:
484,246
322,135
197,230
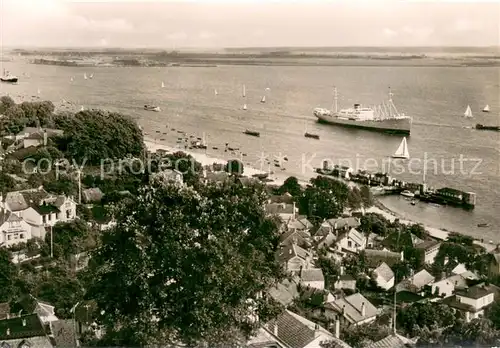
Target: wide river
436,97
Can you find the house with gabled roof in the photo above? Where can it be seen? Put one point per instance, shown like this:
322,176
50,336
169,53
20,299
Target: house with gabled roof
311,278
416,283
294,331
375,257
293,257
301,223
352,310
345,281
393,341
14,230
295,236
44,310
286,212
446,287
472,301
352,241
38,207
25,331
429,249
92,195
384,276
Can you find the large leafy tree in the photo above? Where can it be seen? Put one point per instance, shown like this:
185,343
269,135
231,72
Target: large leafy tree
92,136
292,186
324,198
8,275
186,265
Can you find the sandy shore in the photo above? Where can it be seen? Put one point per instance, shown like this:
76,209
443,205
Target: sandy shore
206,160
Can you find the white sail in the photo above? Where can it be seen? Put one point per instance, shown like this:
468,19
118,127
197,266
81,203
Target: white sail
91,76
468,112
486,108
85,76
263,100
162,85
244,91
82,108
402,151
38,91
244,106
215,92
71,79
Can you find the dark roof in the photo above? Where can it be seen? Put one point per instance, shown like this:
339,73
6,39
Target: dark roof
64,333
475,292
4,310
32,327
375,258
450,190
427,244
46,209
93,194
392,341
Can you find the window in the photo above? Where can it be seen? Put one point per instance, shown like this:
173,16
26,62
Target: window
44,220
9,237
349,244
21,235
68,214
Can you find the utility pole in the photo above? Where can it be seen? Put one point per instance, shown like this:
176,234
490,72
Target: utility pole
79,187
51,243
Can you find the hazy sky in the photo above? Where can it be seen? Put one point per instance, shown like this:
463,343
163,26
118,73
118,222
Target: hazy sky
233,23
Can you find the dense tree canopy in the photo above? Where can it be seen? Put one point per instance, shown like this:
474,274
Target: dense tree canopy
92,136
7,275
191,259
324,198
292,186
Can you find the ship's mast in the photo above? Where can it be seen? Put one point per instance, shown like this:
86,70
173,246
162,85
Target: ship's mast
390,102
335,100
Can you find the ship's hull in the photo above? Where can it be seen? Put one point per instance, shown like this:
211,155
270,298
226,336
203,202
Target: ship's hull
9,79
393,126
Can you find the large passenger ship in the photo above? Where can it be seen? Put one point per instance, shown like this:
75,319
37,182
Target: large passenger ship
383,118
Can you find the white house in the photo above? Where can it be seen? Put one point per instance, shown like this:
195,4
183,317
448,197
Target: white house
294,258
352,241
446,287
472,301
38,207
352,310
416,283
312,277
172,176
384,276
430,249
13,229
285,211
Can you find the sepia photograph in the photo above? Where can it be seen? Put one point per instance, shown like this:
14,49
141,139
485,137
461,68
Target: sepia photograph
249,173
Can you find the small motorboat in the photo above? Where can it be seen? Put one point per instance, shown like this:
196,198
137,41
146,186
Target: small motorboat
484,224
252,133
407,193
152,108
413,202
311,135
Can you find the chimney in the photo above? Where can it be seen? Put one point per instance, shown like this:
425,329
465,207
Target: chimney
341,270
337,328
443,275
24,322
363,309
45,137
8,332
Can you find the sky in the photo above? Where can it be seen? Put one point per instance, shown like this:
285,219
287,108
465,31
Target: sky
258,23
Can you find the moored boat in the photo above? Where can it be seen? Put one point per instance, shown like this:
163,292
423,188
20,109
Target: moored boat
152,108
252,133
407,193
468,112
7,77
486,108
484,224
311,135
483,127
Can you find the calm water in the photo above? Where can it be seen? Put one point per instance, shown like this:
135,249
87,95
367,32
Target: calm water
435,97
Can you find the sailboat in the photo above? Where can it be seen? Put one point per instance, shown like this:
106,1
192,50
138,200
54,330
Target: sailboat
263,100
244,91
162,85
402,151
468,112
82,108
71,79
486,108
38,91
91,76
244,106
215,92
85,76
